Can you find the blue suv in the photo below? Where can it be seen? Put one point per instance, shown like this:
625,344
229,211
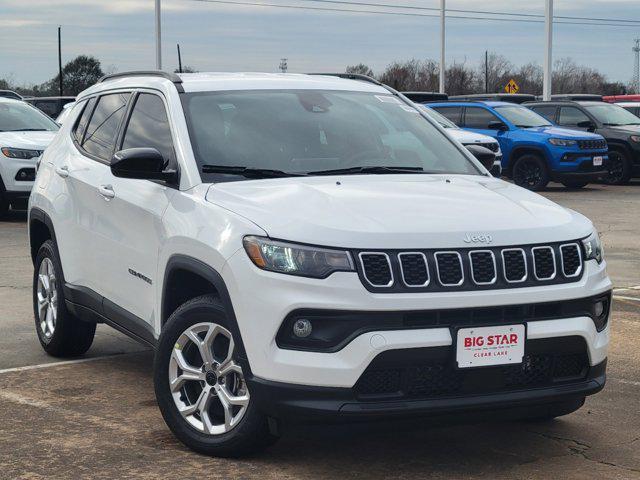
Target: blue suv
534,150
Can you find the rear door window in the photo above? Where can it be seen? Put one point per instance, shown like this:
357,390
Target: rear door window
572,116
477,117
83,121
547,111
100,136
452,113
149,127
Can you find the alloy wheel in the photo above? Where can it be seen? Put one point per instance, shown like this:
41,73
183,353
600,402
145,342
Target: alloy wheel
47,298
615,168
206,383
528,173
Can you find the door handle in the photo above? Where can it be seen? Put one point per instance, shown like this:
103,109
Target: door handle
63,171
106,191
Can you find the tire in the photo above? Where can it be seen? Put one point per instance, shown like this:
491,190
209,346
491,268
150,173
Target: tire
575,184
4,205
60,333
205,425
556,410
619,168
530,171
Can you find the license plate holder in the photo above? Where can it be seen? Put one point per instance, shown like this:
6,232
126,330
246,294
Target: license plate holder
490,346
597,161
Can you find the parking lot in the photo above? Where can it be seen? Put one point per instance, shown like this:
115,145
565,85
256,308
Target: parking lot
97,418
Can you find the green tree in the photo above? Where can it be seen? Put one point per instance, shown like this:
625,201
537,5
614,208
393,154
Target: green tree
360,69
77,75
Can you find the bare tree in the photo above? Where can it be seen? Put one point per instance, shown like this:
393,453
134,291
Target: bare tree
360,69
498,72
412,75
461,80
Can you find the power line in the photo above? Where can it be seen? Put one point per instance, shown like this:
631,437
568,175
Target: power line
404,14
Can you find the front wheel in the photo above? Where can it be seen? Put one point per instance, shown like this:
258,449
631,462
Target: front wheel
531,172
4,205
60,333
200,385
618,169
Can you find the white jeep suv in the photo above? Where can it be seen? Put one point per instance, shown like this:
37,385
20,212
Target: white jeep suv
304,247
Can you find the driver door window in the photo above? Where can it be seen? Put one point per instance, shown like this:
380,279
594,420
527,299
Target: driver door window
571,117
479,118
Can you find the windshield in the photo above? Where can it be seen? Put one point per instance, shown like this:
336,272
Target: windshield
608,114
310,131
438,117
18,116
522,117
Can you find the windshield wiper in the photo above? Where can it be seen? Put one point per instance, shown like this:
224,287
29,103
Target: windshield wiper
27,130
249,172
369,169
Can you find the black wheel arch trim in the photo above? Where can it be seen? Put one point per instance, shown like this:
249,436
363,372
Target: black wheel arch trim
520,150
198,267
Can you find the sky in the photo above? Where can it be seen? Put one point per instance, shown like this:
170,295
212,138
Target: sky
217,37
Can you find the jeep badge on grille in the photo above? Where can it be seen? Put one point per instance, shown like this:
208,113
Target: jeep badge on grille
478,238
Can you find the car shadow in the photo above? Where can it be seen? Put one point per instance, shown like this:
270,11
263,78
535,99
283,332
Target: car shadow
14,216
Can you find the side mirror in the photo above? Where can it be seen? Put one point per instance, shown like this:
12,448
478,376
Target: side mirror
485,156
141,163
497,125
587,124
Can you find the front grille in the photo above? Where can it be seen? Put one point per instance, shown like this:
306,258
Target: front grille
571,259
427,373
396,271
415,272
483,267
449,265
592,144
493,146
377,268
544,263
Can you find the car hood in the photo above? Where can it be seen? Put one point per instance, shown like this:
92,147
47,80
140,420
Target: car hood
32,140
560,132
465,137
628,129
398,211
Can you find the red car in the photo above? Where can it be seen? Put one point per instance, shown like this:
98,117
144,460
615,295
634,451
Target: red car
621,98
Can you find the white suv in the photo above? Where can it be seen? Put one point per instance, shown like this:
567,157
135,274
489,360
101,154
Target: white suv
299,247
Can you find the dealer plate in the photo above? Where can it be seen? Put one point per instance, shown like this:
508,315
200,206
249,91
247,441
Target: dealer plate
484,346
597,161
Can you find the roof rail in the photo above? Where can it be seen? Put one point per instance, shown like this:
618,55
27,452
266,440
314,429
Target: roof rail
172,77
351,76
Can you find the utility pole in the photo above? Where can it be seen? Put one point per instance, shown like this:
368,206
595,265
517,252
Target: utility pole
486,71
59,61
548,55
442,38
158,38
283,65
179,59
636,66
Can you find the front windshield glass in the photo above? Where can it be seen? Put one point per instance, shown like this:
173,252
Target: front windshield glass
18,116
608,114
309,131
438,117
522,117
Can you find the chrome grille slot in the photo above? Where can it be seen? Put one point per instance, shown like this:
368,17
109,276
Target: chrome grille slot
377,268
414,269
449,266
483,267
514,265
544,263
571,257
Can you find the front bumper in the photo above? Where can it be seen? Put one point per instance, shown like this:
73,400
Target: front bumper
11,172
579,167
262,300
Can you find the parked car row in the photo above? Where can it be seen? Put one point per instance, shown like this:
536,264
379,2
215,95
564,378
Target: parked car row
539,139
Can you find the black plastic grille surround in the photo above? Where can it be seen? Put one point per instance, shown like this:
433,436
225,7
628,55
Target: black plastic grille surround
396,271
425,373
592,144
493,146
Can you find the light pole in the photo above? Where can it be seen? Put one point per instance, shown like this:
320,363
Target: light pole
158,38
548,56
442,37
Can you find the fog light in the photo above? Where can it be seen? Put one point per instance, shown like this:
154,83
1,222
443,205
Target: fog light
302,328
598,308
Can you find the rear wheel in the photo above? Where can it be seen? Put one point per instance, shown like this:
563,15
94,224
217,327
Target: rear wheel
200,385
60,333
530,171
618,168
575,184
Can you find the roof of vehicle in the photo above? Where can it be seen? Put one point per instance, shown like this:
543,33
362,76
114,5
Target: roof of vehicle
586,103
628,104
461,103
64,97
219,81
10,94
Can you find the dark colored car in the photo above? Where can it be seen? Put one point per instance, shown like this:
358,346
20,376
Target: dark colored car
496,97
574,97
10,94
424,97
52,106
619,127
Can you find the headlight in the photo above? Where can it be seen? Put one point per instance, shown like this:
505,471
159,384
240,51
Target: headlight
294,259
20,153
562,142
593,248
635,138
